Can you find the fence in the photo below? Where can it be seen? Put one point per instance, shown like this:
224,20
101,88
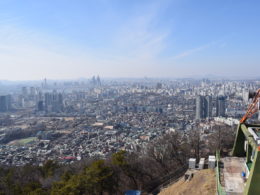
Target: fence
169,179
220,188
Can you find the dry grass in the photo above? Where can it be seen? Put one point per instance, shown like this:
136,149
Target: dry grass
203,183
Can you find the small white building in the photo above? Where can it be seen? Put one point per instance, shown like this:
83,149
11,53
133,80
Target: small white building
192,163
202,163
212,162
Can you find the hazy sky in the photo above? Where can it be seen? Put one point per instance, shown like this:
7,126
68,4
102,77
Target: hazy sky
67,39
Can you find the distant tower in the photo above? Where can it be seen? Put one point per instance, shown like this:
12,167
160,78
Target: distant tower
5,103
60,102
93,80
47,98
24,91
203,107
44,84
32,92
98,81
199,107
9,102
40,106
221,106
208,106
47,101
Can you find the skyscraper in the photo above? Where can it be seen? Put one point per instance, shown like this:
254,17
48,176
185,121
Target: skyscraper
221,106
40,106
199,107
98,81
32,91
5,103
203,107
53,102
25,91
208,106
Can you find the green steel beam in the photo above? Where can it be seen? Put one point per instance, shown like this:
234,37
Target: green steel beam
238,148
242,135
253,183
248,136
248,153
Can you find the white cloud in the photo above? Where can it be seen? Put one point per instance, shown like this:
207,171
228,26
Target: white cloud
194,50
139,37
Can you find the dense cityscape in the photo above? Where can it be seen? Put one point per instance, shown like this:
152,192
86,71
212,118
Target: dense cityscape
110,97
68,121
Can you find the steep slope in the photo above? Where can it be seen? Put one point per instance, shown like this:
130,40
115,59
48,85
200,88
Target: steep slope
203,183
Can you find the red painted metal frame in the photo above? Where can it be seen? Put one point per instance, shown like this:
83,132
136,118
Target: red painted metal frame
253,107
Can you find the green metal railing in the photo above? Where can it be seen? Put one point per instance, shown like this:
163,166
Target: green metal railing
220,188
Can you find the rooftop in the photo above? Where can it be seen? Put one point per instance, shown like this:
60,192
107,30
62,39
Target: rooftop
233,181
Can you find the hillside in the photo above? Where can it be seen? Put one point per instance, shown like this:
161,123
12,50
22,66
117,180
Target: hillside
203,183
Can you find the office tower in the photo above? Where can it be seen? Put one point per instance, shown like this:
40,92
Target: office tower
203,107
39,96
57,105
208,106
32,91
53,102
98,81
9,102
60,99
93,80
24,91
40,106
221,106
5,103
45,83
48,99
199,107
21,101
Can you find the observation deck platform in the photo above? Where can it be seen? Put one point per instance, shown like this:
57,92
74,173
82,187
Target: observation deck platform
232,179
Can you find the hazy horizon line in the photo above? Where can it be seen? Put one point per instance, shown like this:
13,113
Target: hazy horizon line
196,77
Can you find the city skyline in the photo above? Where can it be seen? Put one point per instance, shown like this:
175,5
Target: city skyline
133,39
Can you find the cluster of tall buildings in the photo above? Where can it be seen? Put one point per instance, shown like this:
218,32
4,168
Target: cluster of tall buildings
206,104
30,92
51,102
95,81
48,101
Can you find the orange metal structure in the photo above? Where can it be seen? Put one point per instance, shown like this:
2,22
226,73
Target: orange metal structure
253,107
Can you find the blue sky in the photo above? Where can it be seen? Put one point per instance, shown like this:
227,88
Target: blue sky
64,39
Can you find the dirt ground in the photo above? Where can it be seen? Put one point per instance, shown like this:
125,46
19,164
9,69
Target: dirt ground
203,183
